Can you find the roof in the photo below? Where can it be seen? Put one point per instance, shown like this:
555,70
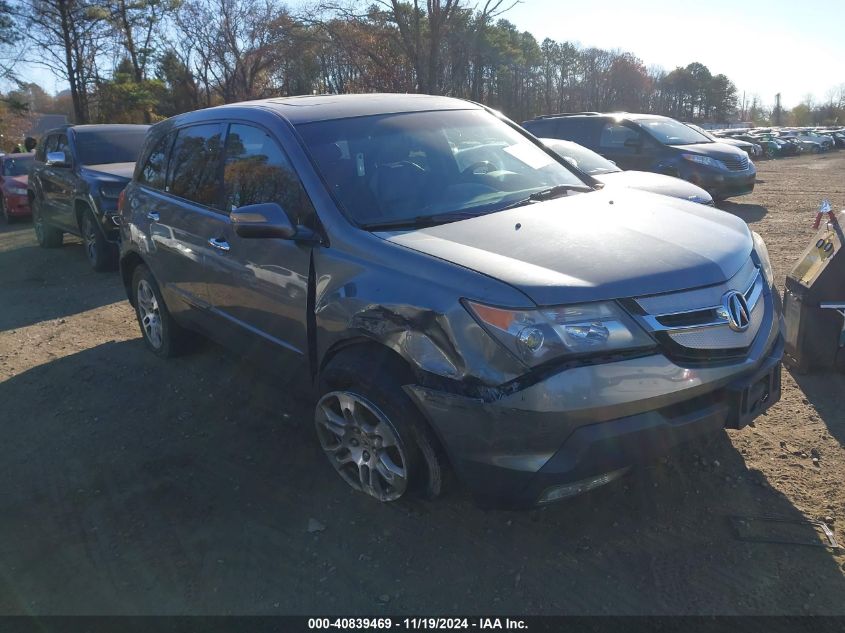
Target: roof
112,127
98,127
311,108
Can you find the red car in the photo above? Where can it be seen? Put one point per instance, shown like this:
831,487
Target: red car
13,175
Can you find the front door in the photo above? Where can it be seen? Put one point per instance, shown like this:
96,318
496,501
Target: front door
258,287
57,187
628,147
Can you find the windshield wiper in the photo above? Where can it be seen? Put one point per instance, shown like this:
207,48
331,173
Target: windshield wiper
547,194
420,221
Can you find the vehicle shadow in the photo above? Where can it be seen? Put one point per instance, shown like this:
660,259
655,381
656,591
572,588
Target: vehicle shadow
39,284
748,212
136,485
827,393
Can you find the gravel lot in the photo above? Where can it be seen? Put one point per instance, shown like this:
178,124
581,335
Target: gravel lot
137,486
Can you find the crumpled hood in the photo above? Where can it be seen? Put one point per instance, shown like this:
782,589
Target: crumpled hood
122,171
655,183
607,244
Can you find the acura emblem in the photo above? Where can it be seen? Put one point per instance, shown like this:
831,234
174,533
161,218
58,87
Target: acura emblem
735,310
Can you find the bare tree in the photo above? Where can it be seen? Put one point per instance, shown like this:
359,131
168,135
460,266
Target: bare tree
67,38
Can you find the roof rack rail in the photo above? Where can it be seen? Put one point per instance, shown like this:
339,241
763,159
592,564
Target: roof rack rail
550,116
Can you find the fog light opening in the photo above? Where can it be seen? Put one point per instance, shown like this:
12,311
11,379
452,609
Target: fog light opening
564,491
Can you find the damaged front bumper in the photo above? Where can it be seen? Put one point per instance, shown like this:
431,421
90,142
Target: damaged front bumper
586,425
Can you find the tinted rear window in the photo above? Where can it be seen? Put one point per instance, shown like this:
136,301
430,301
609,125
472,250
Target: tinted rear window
578,129
99,147
155,168
195,164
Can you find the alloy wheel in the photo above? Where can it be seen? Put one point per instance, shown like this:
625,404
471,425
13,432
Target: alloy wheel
89,236
37,223
149,314
362,445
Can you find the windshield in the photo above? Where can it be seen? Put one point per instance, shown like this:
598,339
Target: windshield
99,147
409,166
671,132
16,166
702,131
580,157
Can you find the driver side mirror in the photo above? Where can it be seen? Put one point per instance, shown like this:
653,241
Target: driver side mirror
57,159
266,219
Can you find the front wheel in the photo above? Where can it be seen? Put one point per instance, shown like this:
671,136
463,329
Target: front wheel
46,235
371,432
101,255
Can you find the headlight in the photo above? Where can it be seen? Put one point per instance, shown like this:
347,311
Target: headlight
539,335
703,160
111,190
763,256
17,191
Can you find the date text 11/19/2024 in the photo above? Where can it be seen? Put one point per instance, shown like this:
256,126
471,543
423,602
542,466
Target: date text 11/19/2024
415,624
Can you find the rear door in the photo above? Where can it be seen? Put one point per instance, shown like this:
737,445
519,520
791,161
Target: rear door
258,287
181,207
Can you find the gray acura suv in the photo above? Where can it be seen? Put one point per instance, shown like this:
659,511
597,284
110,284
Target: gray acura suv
452,292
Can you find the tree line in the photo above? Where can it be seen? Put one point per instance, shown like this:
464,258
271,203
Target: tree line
144,60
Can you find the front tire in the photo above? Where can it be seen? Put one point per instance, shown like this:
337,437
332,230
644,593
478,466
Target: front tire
371,432
4,212
162,335
46,235
100,253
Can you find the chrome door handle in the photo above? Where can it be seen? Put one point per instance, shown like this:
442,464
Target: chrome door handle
153,215
222,245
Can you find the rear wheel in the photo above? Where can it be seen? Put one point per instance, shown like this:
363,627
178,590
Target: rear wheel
46,235
162,335
100,253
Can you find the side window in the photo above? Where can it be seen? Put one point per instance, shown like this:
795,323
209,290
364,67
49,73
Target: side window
581,130
50,145
154,172
61,145
194,164
614,135
257,170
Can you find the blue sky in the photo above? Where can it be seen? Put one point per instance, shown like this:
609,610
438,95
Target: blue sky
795,48
765,47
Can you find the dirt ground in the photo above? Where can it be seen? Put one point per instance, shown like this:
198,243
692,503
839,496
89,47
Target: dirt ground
132,485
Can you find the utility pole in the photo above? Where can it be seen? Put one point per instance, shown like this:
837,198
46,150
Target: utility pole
777,109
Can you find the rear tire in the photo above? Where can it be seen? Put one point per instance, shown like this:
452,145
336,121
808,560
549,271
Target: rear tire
100,253
371,432
162,335
6,217
46,235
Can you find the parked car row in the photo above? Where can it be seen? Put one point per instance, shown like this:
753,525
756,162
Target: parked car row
453,292
658,144
778,141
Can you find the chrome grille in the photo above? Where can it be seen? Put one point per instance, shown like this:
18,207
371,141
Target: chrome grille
695,321
737,164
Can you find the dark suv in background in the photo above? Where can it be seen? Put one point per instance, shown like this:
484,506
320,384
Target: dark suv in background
75,181
646,142
440,279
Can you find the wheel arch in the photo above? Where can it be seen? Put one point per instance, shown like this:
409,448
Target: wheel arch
128,263
436,457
